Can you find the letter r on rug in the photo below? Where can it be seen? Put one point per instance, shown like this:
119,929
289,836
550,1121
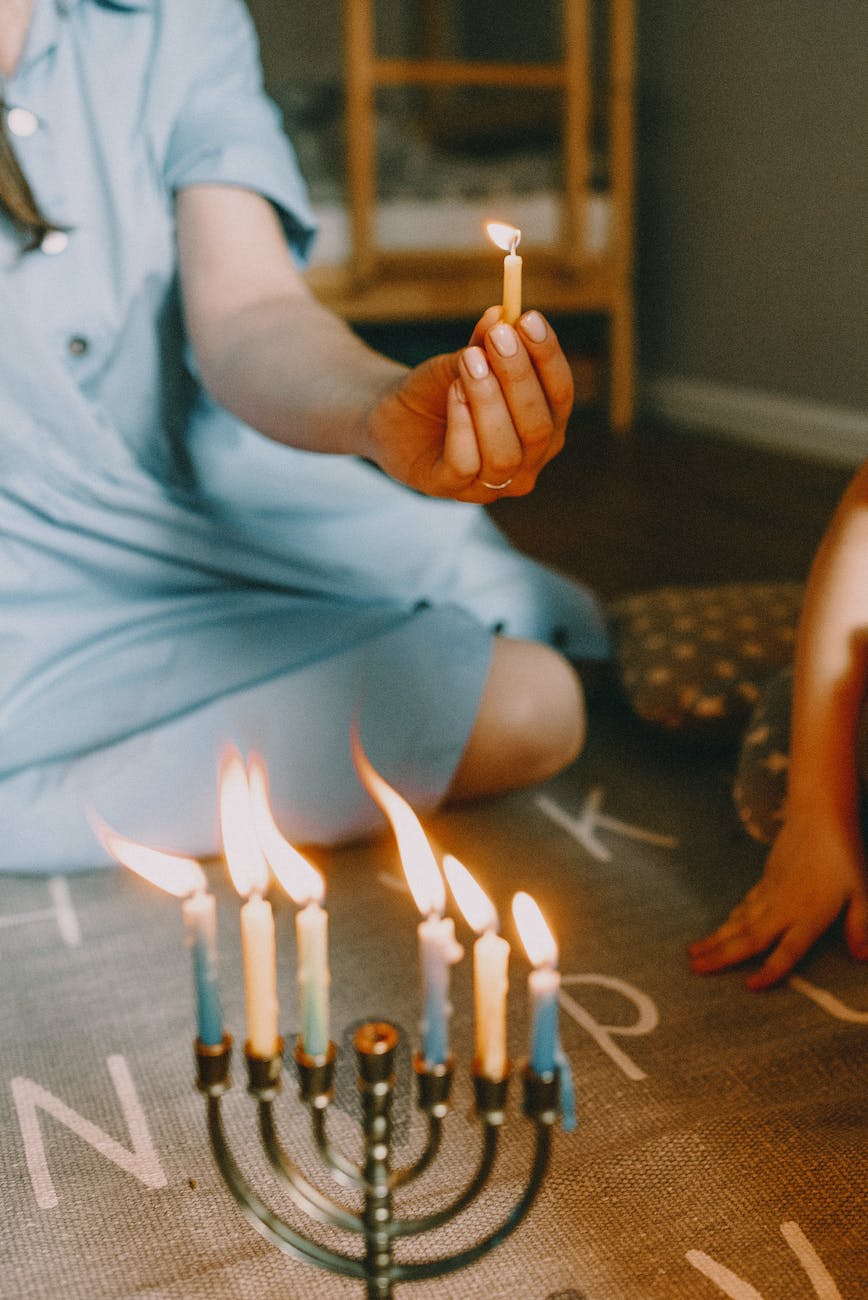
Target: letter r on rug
142,1161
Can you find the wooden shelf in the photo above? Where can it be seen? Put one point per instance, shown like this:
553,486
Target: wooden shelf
376,285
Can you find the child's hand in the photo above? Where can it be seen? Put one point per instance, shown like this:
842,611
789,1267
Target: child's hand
815,868
479,423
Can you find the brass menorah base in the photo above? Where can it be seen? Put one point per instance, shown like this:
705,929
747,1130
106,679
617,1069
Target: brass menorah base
373,1177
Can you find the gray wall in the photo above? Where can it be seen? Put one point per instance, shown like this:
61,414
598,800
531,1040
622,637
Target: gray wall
752,257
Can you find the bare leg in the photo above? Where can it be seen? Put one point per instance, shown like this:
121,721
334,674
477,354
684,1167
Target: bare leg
530,724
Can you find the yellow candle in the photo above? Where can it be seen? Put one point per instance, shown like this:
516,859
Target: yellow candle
490,984
311,932
260,976
511,288
508,238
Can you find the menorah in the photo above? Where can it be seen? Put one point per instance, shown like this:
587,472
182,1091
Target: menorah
373,1178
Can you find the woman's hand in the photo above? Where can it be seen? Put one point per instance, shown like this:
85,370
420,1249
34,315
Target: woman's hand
480,423
815,869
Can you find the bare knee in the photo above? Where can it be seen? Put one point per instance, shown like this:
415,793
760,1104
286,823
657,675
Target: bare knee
530,725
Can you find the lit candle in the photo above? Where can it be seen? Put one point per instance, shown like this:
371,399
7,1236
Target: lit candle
249,873
490,961
184,878
508,238
438,949
543,982
305,886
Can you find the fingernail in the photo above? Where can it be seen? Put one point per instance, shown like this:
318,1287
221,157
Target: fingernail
476,362
534,326
504,338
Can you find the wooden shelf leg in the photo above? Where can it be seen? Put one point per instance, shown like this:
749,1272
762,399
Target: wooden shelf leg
622,365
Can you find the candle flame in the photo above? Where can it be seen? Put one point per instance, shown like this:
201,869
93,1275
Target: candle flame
539,942
301,881
476,907
169,871
417,857
247,866
505,236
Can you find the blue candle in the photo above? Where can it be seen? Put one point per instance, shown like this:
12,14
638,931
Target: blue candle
543,982
544,985
200,919
184,878
438,950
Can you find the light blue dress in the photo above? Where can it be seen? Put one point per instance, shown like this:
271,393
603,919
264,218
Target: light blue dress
170,580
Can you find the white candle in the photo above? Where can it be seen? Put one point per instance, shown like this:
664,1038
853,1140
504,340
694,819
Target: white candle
490,984
249,873
490,962
305,886
260,976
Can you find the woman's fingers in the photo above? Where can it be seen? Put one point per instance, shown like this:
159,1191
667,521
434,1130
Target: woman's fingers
551,365
519,391
793,945
500,449
754,927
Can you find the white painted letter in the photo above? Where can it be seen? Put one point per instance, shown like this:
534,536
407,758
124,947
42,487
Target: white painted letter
828,1001
142,1161
647,1020
737,1289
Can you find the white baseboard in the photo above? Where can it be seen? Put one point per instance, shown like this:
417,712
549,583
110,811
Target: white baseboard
833,433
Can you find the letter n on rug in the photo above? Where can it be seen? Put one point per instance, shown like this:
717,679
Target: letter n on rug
141,1161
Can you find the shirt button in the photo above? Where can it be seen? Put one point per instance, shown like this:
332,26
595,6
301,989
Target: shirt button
22,122
78,345
55,241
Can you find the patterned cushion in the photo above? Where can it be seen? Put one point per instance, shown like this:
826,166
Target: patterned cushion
760,787
693,659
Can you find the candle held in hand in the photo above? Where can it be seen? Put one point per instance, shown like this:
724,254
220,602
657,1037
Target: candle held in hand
508,238
544,982
249,874
490,962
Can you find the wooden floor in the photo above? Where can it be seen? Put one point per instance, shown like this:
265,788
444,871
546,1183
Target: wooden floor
661,505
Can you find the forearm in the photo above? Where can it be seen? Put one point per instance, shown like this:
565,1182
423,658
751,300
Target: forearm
299,375
832,661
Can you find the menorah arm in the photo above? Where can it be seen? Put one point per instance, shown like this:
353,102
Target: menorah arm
342,1170
409,1227
451,1263
306,1195
261,1217
399,1177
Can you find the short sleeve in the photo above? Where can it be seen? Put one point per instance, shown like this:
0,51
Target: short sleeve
226,129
